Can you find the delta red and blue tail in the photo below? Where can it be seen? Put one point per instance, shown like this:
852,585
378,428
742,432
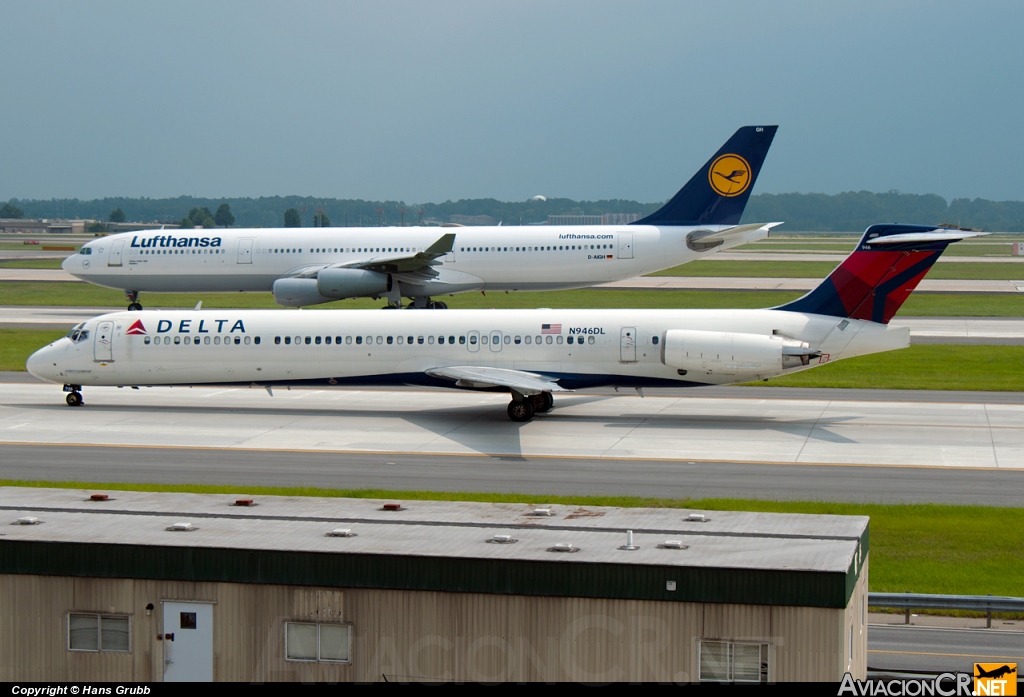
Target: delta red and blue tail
878,277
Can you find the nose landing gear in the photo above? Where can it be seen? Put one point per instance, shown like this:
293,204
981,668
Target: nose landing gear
74,398
133,300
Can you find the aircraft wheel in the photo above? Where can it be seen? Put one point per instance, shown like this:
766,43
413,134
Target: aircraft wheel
542,402
389,307
438,305
520,412
74,399
134,307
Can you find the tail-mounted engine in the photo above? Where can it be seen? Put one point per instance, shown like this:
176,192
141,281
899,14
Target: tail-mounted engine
733,355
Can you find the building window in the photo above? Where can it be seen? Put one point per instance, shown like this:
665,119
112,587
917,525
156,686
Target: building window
727,661
94,632
308,641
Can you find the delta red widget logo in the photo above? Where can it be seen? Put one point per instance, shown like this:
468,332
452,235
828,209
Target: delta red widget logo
136,328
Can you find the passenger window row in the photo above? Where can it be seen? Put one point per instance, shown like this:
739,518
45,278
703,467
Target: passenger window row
335,250
206,340
552,248
430,340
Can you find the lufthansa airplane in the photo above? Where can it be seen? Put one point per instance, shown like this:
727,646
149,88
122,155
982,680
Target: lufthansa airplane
307,266
529,353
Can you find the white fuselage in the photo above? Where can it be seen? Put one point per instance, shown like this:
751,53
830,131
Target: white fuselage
483,258
578,348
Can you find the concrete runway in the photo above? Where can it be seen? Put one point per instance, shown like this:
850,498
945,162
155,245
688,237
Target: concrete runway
898,648
781,448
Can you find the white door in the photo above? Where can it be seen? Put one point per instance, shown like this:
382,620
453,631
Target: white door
102,347
474,341
625,245
115,254
495,341
244,251
188,642
627,344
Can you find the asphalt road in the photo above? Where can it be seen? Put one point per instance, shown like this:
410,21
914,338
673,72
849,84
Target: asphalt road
937,650
560,476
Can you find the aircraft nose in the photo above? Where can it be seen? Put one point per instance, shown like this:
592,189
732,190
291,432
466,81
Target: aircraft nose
42,363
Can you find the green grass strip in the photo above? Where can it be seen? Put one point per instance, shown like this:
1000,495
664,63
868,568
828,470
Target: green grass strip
31,264
920,367
930,548
16,345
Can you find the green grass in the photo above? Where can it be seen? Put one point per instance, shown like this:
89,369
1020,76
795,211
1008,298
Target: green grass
16,345
921,367
919,304
31,264
969,550
960,270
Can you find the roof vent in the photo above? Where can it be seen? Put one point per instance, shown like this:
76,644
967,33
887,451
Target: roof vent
99,497
563,547
243,502
503,540
27,520
629,546
542,512
673,544
181,527
697,518
340,532
392,507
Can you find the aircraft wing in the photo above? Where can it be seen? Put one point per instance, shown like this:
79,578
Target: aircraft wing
483,376
699,240
401,263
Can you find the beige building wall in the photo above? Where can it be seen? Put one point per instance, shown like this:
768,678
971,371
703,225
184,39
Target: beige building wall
420,635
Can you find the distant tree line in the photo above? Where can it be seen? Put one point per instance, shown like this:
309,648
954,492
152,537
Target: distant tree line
846,212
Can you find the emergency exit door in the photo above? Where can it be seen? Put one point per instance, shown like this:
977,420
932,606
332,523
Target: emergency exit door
627,344
244,251
625,245
188,641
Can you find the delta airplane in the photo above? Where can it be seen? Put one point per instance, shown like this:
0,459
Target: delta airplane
307,266
529,353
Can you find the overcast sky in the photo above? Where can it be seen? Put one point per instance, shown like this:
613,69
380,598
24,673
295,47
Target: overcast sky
427,101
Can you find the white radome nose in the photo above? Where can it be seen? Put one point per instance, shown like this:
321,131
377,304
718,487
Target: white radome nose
41,363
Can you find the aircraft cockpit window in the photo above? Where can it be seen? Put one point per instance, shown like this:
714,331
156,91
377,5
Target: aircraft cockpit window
85,250
78,335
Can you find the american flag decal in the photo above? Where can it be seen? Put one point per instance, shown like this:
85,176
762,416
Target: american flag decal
551,329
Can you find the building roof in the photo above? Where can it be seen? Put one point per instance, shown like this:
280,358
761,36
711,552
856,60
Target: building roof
436,545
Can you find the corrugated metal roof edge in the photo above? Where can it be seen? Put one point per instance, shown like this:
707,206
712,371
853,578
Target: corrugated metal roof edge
500,576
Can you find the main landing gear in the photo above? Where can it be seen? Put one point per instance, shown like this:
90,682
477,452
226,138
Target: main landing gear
133,300
522,408
74,398
420,304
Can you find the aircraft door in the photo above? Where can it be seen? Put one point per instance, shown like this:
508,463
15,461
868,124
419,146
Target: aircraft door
474,341
245,251
625,245
102,347
115,253
627,345
495,342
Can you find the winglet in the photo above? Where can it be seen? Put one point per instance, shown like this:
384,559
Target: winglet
444,244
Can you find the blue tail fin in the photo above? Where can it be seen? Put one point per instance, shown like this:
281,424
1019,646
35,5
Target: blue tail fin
718,193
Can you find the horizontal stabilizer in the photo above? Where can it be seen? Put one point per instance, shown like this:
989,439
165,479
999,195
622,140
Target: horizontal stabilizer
484,376
701,240
939,235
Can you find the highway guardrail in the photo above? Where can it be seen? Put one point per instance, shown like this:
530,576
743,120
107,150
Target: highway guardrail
925,601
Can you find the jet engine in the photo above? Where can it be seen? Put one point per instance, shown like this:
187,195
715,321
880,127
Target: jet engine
330,284
732,354
338,283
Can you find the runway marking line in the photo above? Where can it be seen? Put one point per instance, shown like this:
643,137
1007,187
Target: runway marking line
383,453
